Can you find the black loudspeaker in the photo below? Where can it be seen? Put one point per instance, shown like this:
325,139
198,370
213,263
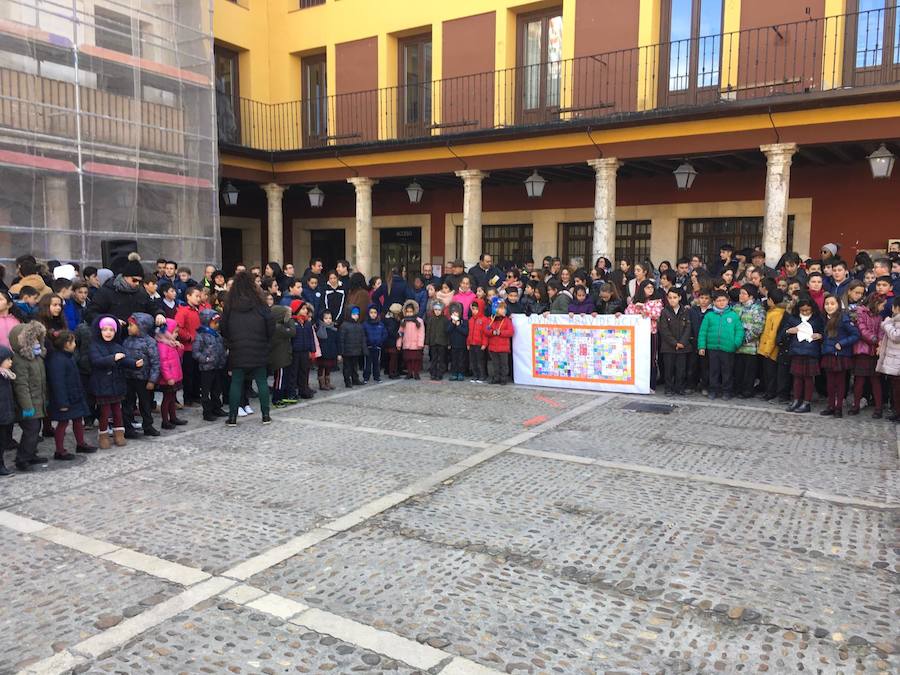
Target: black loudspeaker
115,252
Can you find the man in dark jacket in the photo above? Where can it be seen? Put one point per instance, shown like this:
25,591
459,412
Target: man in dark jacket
122,296
484,273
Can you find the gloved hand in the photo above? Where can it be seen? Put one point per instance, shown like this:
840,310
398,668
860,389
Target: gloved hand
28,413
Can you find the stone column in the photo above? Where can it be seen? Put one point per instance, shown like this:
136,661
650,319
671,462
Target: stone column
274,198
471,214
363,223
56,218
604,243
778,190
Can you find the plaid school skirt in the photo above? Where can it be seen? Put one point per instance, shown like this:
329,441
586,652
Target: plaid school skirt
832,363
864,365
804,366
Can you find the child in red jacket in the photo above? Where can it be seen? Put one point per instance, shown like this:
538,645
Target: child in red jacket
187,317
476,341
498,333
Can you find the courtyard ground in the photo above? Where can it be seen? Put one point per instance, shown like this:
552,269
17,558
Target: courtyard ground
457,528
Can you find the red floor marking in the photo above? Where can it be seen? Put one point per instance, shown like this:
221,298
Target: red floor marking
549,401
535,420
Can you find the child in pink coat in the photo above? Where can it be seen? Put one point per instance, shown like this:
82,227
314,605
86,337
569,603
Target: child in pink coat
411,339
170,373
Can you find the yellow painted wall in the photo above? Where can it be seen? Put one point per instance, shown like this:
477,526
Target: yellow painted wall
245,27
272,69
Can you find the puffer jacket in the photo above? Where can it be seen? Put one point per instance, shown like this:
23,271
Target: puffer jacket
503,341
673,328
797,348
209,347
247,329
144,347
65,388
353,338
304,336
870,332
7,398
476,336
436,331
458,334
753,319
169,356
411,333
281,352
376,333
768,340
720,331
188,320
30,385
107,374
846,336
889,348
36,281
329,341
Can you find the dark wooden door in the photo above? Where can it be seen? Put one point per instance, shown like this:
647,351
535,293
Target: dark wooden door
414,92
539,72
690,52
872,43
314,105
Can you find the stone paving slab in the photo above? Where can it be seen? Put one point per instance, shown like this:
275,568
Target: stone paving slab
52,597
870,474
218,636
510,616
656,536
217,509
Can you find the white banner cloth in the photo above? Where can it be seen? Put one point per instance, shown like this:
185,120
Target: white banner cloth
601,353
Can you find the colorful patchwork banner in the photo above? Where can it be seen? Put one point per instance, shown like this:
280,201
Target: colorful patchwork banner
603,353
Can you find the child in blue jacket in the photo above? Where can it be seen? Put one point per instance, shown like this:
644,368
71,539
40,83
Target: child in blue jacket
376,334
837,353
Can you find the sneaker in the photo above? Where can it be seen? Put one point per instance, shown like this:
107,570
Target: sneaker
289,401
266,419
232,421
242,412
279,404
248,410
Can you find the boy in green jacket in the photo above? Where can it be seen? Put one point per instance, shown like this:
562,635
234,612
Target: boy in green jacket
721,333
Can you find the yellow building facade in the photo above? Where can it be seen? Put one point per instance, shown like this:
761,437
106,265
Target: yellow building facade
471,98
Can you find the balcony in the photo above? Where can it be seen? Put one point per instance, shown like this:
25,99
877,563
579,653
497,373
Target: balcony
826,57
46,108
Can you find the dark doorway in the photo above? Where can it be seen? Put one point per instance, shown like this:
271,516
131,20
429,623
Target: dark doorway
329,245
401,247
232,248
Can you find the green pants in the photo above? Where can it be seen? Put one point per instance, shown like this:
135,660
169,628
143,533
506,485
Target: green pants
258,375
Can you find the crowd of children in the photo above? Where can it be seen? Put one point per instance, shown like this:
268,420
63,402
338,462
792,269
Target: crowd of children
79,348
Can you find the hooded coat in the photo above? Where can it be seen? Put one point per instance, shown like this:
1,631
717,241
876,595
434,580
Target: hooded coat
7,398
30,385
209,347
376,333
353,338
107,374
143,346
889,348
36,281
67,398
169,356
119,300
247,328
411,335
281,352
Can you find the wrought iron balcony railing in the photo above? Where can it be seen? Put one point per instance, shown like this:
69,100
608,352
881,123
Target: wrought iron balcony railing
831,54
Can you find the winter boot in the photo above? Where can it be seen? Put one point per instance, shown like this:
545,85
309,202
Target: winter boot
104,442
119,437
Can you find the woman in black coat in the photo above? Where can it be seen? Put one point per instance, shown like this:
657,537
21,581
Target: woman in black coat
247,326
394,291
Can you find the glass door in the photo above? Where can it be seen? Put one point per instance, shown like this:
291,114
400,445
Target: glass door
315,102
691,52
538,77
415,86
873,43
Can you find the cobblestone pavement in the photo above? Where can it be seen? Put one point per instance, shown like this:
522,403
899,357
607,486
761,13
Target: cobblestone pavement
463,529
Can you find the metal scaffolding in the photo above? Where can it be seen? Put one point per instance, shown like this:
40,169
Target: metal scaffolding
108,129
